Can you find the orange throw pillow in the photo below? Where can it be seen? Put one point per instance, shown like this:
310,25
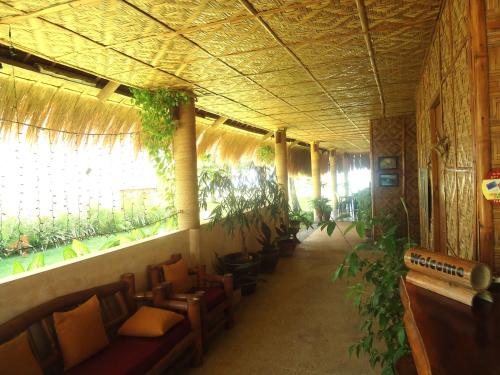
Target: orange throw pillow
80,332
150,322
177,274
16,357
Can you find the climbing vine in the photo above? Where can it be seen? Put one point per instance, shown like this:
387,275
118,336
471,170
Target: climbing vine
265,154
158,128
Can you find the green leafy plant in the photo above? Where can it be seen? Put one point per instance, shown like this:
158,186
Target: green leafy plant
302,217
265,154
266,238
363,204
323,209
246,202
158,128
379,262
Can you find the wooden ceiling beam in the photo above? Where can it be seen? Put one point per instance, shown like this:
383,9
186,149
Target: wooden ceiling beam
271,32
45,11
107,90
371,53
219,121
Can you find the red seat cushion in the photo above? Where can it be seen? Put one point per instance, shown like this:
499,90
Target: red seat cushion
214,296
132,355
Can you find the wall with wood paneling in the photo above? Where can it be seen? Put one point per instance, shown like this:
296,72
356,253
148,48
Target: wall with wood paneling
396,136
446,77
493,35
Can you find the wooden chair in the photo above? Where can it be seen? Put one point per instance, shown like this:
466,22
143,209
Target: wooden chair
215,293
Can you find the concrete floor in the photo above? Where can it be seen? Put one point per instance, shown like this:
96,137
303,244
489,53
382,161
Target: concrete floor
297,322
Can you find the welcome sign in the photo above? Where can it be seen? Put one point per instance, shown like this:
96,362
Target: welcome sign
460,271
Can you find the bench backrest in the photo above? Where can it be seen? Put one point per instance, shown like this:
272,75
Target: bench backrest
40,325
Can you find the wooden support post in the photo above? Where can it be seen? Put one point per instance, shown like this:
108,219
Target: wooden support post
345,169
315,174
281,164
186,177
333,176
281,159
480,110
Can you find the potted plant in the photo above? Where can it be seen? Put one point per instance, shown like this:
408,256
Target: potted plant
286,240
297,218
269,253
322,208
243,206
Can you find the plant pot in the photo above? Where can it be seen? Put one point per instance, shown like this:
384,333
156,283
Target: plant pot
269,260
248,285
245,269
287,247
326,215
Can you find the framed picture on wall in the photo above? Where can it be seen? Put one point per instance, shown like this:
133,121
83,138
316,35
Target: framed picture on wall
388,179
388,162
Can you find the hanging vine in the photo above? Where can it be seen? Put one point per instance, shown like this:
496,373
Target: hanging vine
158,122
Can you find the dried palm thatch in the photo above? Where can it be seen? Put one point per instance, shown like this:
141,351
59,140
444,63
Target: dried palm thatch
357,161
228,144
62,110
299,161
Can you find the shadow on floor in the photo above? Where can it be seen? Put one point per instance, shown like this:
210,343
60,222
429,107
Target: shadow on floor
297,322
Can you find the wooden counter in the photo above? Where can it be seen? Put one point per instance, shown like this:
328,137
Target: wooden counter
450,338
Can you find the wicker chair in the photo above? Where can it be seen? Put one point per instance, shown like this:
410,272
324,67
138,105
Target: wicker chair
214,292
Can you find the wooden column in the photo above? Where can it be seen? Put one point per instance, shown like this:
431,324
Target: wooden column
332,159
315,174
281,159
480,110
281,163
345,169
186,177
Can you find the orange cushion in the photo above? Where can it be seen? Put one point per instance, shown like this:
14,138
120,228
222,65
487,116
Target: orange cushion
177,274
80,332
150,322
16,357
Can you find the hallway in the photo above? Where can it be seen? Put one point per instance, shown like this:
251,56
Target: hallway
297,322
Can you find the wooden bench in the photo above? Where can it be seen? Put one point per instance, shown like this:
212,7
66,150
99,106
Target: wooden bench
124,355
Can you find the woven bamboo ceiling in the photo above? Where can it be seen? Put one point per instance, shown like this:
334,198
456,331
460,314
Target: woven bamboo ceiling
320,68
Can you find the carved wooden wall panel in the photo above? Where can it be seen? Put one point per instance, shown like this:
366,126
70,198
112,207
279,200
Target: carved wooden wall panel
397,136
463,116
450,187
466,211
453,88
449,121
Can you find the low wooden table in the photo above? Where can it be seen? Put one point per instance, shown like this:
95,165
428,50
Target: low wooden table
450,337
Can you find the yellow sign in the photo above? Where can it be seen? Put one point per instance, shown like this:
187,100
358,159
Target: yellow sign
491,189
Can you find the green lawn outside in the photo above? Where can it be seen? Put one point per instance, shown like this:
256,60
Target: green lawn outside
55,254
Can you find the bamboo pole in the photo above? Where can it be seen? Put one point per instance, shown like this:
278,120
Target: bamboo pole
446,288
345,169
459,271
281,164
333,176
186,177
480,82
315,174
281,159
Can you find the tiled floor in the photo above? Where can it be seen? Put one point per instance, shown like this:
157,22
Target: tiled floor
297,322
